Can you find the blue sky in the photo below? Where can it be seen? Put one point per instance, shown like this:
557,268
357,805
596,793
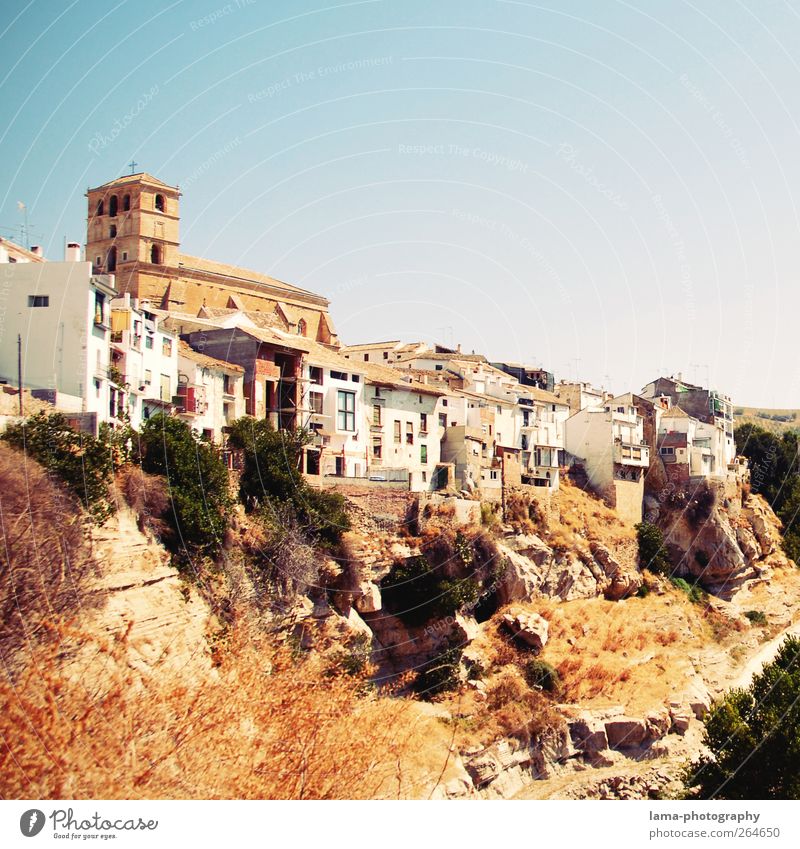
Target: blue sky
602,188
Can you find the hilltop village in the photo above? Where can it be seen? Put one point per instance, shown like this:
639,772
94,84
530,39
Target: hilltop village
130,326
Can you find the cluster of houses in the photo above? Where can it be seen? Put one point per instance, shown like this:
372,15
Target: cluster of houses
137,328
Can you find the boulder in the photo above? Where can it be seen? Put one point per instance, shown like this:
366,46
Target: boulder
680,716
483,768
625,732
621,582
529,628
569,578
588,734
368,599
658,724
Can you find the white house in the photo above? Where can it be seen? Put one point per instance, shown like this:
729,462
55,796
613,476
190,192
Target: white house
61,313
144,363
690,448
610,446
406,421
542,415
210,392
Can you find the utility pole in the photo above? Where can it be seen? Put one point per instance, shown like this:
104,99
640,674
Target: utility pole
19,371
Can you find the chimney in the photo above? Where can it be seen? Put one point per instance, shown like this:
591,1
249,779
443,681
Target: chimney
72,252
36,250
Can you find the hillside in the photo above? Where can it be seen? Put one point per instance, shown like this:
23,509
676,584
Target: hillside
776,421
439,653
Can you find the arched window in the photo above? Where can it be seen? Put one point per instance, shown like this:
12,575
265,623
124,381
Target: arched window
155,255
126,203
301,327
112,206
111,264
100,208
160,204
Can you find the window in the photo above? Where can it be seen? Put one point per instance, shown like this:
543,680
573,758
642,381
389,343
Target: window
112,231
38,300
366,358
155,255
423,422
668,450
165,393
423,454
126,203
124,256
148,341
112,206
442,419
227,384
98,261
346,410
315,402
397,432
439,368
356,378
493,475
166,346
377,449
444,402
424,477
111,264
99,307
376,414
160,203
409,433
302,327
338,375
148,377
315,375
499,409
386,355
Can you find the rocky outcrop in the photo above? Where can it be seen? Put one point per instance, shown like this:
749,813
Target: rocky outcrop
621,582
528,628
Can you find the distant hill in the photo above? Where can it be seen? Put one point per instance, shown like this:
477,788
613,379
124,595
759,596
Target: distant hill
776,421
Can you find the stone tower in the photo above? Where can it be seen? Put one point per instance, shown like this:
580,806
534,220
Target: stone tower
132,227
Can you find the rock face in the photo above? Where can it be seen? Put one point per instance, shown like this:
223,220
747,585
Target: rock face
624,732
532,567
736,541
528,628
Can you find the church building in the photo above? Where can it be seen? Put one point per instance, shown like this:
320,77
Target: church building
133,232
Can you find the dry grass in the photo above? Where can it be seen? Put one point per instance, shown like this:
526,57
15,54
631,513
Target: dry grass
266,726
44,559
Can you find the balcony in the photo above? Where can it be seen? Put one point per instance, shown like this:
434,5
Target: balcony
189,400
631,455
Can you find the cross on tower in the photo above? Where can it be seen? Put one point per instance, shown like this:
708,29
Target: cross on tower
132,165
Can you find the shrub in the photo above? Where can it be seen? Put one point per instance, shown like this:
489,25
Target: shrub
539,673
700,505
643,591
441,674
197,481
695,593
85,464
418,592
757,617
652,553
148,497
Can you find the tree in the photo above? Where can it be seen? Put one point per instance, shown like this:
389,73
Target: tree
84,463
754,736
652,553
197,480
271,479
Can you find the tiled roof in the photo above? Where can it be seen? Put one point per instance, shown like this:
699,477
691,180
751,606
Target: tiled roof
203,360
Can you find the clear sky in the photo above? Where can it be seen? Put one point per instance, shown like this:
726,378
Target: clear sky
603,188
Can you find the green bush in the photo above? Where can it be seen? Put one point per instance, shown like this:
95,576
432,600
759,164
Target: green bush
271,475
652,553
417,592
643,591
754,737
540,673
695,593
84,464
757,617
441,674
197,481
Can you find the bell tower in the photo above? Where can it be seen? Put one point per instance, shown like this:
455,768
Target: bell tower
132,229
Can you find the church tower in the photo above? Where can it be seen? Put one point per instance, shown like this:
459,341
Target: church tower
132,229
